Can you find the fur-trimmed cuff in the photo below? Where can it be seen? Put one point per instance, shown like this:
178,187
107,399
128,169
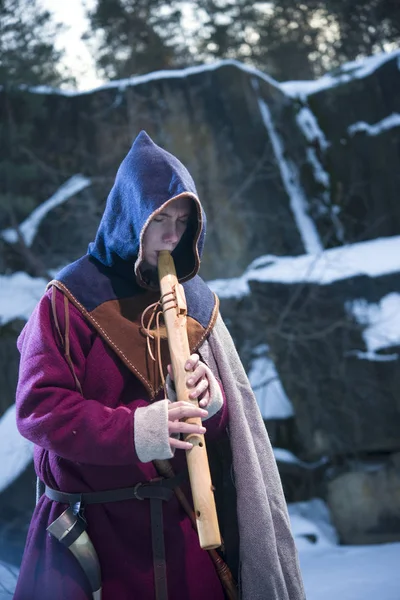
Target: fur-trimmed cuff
151,432
216,397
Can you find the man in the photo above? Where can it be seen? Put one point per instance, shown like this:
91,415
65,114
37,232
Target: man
90,397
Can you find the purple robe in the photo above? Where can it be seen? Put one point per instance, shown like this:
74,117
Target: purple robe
87,444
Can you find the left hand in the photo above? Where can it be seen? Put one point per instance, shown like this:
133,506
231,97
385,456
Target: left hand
197,380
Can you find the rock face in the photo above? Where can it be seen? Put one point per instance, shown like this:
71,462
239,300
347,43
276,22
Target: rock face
17,503
211,120
360,120
9,359
344,403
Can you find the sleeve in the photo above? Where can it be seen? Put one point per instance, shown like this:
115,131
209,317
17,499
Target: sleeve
52,414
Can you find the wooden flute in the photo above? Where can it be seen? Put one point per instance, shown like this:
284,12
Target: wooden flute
174,309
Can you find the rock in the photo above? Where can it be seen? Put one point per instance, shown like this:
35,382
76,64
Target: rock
364,501
210,119
343,402
358,119
17,503
9,361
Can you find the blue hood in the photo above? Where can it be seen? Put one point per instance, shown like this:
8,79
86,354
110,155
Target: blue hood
148,178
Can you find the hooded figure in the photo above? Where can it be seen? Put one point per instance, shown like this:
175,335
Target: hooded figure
90,397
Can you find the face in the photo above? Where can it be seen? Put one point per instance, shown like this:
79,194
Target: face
166,229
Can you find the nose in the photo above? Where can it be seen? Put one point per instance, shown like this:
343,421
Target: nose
171,234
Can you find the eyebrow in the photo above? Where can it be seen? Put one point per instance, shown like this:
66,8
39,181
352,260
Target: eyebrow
163,214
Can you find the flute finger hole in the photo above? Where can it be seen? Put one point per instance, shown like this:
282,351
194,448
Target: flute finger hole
197,513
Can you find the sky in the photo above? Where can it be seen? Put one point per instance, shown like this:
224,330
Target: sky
78,58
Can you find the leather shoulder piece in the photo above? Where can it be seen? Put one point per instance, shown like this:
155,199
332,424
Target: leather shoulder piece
118,322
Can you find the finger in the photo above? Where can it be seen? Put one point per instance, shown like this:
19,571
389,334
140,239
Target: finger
180,444
196,375
184,412
192,362
205,401
182,427
199,389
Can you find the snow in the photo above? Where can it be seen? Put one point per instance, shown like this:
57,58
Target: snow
372,258
352,572
348,71
29,227
284,455
264,379
309,125
291,181
333,572
389,122
318,144
8,579
311,525
19,294
382,321
15,451
352,70
122,84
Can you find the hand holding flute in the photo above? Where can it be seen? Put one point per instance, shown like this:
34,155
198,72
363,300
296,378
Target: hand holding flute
198,384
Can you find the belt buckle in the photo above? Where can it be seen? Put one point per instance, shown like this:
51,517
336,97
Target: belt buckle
135,491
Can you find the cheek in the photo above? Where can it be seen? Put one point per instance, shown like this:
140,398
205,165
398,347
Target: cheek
149,237
181,229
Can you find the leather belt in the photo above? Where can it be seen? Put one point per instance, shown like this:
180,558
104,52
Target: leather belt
157,491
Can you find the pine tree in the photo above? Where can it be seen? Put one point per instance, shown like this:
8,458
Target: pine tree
292,40
27,52
27,58
137,36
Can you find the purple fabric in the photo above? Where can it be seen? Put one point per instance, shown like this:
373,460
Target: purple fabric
86,444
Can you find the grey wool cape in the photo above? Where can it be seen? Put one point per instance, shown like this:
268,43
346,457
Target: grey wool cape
268,561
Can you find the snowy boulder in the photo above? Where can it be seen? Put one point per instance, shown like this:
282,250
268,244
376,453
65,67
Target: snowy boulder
331,322
364,501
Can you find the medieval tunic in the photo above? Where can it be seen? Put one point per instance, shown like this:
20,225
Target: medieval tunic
88,445
90,399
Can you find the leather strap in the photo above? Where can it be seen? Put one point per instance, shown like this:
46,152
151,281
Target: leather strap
138,492
157,540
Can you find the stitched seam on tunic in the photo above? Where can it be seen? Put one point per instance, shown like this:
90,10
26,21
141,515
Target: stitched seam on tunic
99,327
65,339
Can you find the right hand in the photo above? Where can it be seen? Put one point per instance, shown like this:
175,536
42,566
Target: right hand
183,410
